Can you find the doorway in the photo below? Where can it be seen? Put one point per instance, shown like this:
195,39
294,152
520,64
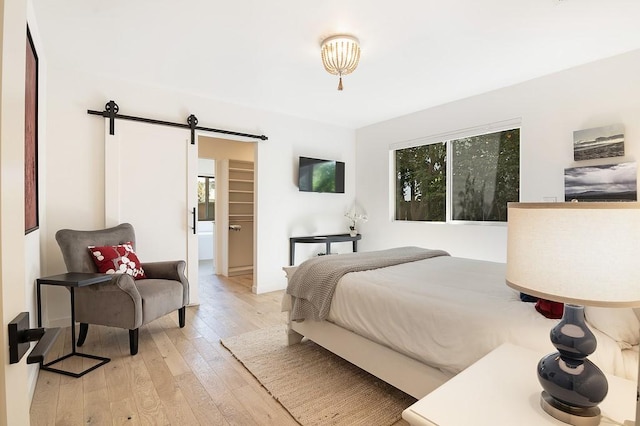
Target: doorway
219,234
206,215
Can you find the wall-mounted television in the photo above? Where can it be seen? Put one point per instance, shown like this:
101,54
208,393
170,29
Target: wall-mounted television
316,175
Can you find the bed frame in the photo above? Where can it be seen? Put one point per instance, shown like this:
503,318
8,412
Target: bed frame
405,373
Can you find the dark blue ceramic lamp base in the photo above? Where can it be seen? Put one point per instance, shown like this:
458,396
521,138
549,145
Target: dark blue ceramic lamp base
573,385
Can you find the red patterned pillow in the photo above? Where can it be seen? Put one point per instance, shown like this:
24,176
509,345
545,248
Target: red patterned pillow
120,259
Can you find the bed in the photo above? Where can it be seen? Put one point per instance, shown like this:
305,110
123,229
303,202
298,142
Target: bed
424,316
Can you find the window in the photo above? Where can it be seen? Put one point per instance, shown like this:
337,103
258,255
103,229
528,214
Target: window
463,179
421,183
206,198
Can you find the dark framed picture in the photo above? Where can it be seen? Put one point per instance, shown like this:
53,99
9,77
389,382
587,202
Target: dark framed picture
31,219
599,142
611,182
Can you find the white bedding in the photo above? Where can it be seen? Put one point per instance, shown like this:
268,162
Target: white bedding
449,312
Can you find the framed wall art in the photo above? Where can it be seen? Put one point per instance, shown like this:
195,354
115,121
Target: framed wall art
599,142
31,219
612,182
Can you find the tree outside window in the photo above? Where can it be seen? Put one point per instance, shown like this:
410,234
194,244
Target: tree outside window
484,176
421,179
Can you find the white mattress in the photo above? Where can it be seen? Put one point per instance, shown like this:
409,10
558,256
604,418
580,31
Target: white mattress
449,312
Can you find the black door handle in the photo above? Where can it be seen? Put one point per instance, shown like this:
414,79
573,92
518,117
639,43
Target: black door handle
193,214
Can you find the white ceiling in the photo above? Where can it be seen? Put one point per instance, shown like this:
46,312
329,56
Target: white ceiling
266,53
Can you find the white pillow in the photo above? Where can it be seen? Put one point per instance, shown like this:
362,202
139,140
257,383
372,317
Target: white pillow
621,324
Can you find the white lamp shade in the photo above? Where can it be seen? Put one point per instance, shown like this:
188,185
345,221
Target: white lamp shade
581,253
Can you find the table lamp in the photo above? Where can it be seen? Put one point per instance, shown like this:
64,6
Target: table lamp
578,254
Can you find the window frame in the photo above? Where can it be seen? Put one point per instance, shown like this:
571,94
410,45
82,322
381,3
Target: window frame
448,138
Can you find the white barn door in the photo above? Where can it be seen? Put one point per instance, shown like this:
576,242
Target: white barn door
150,182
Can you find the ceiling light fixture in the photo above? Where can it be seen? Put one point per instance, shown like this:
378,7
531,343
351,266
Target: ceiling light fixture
340,55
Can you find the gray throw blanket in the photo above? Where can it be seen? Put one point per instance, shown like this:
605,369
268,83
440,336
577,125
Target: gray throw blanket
314,282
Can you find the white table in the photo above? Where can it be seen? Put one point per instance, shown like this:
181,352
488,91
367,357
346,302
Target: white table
503,389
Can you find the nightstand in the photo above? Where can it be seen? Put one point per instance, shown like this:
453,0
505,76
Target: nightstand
502,388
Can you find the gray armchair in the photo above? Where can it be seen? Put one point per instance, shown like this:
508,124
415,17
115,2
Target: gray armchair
122,302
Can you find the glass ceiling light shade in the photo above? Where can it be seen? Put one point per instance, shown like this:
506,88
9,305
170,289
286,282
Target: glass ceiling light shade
340,55
578,254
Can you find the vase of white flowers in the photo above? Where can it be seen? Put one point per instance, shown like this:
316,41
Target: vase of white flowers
354,217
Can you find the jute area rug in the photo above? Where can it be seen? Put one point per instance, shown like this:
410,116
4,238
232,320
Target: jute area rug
314,385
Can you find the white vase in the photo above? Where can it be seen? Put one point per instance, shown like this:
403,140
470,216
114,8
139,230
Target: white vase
353,232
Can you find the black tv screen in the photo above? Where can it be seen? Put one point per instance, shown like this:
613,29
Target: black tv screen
316,175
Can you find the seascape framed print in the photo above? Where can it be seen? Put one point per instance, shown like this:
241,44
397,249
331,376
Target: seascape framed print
599,142
611,182
31,219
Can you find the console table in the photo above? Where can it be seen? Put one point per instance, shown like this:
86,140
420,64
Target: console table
324,239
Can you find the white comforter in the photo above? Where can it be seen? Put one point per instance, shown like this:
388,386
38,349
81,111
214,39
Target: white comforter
448,312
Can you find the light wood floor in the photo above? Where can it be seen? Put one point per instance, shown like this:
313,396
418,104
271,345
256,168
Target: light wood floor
179,376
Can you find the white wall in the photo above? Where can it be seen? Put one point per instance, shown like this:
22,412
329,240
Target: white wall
206,167
551,108
283,211
75,165
306,213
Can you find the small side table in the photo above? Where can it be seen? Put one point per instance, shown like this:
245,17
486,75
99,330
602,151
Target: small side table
502,388
71,280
